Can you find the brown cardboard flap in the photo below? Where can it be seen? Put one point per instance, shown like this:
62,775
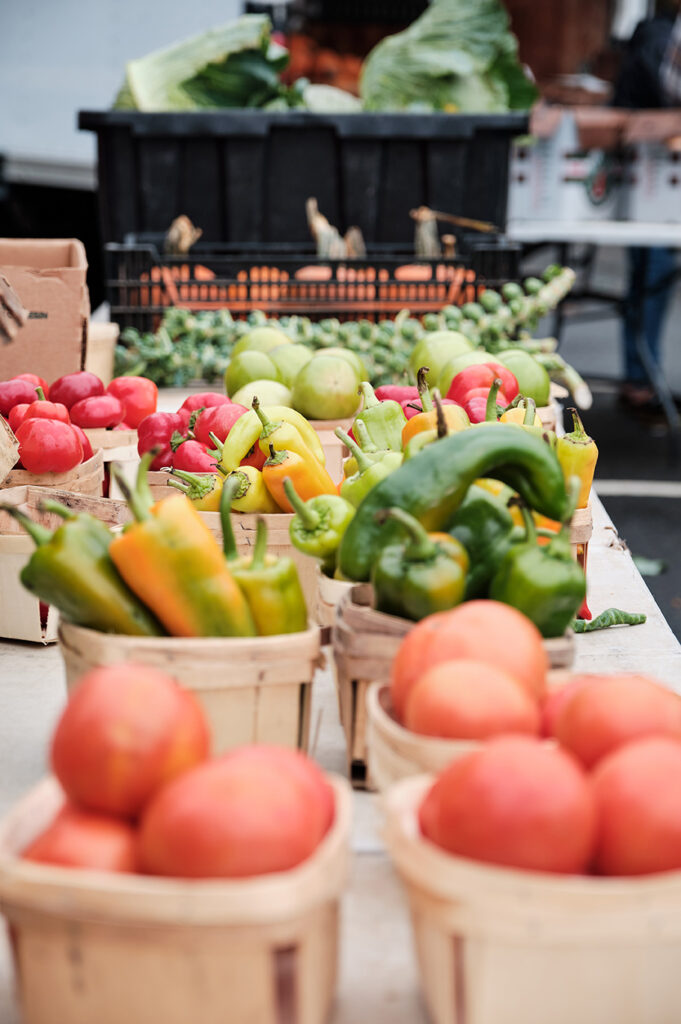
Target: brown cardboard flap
49,276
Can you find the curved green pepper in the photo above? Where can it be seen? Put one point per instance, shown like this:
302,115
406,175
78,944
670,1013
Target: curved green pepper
433,486
318,525
355,488
485,527
384,421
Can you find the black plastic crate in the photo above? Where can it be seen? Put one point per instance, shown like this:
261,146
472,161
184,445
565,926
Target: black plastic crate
244,176
143,282
384,12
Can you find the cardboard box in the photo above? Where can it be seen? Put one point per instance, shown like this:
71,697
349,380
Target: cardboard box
49,276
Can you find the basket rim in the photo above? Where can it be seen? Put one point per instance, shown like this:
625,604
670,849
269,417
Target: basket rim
201,644
141,899
389,725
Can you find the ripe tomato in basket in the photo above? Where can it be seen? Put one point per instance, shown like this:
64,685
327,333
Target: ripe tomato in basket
138,395
80,839
48,446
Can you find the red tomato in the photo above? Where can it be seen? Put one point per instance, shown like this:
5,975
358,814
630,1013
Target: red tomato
138,395
486,631
469,700
218,420
74,387
126,730
614,710
98,411
35,380
84,440
15,392
44,410
516,801
17,414
193,458
204,400
243,814
79,839
48,446
638,802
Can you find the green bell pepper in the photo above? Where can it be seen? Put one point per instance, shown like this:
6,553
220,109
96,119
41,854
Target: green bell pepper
318,525
355,488
485,527
384,421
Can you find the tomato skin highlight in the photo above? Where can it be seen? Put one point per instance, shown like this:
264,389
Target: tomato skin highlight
48,446
80,839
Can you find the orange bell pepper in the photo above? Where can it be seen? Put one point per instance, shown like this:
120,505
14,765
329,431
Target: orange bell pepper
309,477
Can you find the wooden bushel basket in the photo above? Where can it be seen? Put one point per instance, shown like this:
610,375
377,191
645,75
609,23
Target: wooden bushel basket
253,689
498,946
365,643
97,948
20,615
244,525
395,753
329,594
87,478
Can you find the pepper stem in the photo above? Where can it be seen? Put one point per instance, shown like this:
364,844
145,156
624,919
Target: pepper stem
491,406
268,427
442,429
180,486
276,458
423,389
365,442
308,517
199,484
230,489
219,445
530,412
578,431
528,519
49,505
420,546
39,533
40,393
140,499
260,548
362,462
366,390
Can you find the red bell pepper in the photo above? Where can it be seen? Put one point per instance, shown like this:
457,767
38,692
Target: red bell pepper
85,441
204,400
481,404
218,420
98,411
15,392
35,380
48,446
191,456
482,375
41,409
155,432
138,395
397,393
74,387
17,414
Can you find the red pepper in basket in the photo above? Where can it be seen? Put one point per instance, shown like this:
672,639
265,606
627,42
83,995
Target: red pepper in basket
17,414
41,409
138,395
204,400
15,392
155,432
191,456
74,387
397,393
35,380
218,420
84,440
97,412
48,446
481,403
482,375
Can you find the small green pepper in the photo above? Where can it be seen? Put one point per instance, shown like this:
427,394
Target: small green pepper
545,583
318,525
355,488
384,421
270,585
373,453
424,575
72,570
485,527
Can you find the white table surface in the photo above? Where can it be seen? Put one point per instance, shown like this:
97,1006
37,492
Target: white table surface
596,232
378,982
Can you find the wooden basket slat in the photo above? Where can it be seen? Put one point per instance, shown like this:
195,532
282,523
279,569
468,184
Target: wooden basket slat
91,946
87,478
252,689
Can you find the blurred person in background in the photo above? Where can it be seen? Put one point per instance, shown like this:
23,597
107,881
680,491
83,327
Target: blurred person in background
650,77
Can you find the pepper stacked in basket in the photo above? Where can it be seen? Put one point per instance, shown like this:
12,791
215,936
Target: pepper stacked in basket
50,422
165,573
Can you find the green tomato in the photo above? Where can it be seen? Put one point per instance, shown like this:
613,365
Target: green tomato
460,363
326,389
268,392
289,361
435,350
352,357
248,366
261,339
533,380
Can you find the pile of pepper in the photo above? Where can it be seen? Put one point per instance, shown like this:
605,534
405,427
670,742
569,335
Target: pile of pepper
452,504
163,574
